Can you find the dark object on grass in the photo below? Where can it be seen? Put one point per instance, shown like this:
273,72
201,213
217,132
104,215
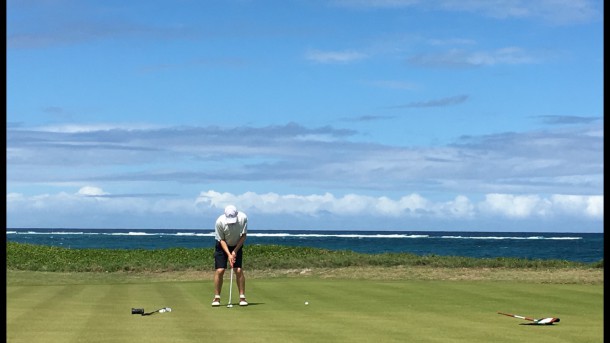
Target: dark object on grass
141,311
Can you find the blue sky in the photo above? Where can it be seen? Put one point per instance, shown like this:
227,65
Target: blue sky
323,114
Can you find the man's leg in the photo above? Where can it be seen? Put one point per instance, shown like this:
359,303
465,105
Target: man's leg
241,281
220,264
218,279
241,285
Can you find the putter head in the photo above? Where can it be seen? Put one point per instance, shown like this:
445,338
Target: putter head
230,305
547,321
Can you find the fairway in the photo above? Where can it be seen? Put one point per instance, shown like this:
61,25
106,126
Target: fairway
339,310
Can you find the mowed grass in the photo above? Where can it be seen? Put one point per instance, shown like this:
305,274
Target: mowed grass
345,306
86,295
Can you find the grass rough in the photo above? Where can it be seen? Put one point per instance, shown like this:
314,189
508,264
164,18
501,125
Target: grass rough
273,261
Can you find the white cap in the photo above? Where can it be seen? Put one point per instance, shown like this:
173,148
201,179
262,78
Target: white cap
231,214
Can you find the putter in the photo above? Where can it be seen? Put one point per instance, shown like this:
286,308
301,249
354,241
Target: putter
230,304
140,311
540,321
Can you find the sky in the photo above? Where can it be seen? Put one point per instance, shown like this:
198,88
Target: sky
410,115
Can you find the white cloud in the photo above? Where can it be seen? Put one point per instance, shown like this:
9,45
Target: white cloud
516,206
552,11
83,128
460,207
551,162
592,206
334,56
462,58
408,206
413,205
91,191
528,206
86,211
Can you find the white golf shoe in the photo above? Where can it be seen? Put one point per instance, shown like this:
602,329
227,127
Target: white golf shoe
242,300
216,301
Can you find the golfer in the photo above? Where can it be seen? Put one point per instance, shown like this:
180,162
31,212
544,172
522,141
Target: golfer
230,234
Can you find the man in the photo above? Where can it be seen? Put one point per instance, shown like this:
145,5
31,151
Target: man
230,234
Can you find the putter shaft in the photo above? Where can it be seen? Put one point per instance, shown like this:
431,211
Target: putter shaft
230,304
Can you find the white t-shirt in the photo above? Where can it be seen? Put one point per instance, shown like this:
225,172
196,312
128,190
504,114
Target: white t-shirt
231,233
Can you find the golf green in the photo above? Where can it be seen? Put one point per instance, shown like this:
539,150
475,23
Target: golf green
338,310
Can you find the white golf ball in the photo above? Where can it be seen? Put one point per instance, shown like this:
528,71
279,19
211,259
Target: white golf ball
306,303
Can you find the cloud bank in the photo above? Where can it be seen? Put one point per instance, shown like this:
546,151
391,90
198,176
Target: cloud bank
531,175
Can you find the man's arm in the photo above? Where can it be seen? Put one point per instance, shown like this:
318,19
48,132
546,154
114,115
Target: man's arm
225,247
220,237
240,243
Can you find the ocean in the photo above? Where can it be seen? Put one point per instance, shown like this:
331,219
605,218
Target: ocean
578,247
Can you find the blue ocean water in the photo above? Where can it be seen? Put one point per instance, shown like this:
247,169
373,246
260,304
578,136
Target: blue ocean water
578,247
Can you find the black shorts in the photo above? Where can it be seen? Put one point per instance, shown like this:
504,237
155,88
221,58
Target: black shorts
221,260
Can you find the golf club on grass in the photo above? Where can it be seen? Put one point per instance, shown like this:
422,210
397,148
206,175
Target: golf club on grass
230,304
541,321
141,311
